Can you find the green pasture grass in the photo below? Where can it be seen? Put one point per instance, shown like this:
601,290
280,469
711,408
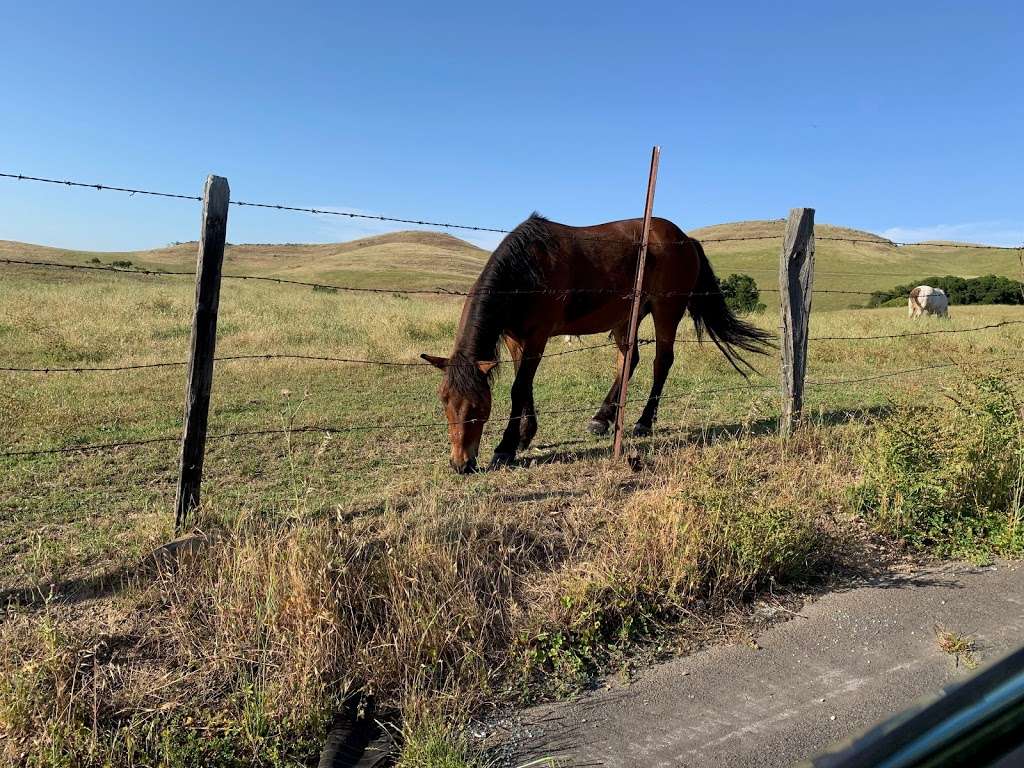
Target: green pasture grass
78,511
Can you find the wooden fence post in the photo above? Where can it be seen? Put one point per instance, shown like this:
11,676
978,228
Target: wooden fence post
634,313
796,274
199,382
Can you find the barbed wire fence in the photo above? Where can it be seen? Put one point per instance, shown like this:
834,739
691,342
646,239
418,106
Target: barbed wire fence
200,365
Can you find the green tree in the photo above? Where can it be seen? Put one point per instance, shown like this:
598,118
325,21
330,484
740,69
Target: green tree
741,294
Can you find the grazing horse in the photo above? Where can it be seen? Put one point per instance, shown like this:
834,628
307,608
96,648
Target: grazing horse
547,279
925,300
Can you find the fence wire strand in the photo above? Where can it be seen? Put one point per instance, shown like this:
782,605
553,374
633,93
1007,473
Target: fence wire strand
625,293
451,225
334,429
422,364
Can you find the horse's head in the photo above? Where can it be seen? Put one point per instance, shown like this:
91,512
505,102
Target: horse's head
465,392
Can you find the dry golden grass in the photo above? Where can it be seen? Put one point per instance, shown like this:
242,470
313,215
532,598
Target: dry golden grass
441,592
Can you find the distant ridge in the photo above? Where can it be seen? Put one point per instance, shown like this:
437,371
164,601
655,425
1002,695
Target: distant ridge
777,227
846,270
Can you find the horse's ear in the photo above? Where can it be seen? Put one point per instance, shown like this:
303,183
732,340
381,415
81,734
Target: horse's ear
486,367
437,362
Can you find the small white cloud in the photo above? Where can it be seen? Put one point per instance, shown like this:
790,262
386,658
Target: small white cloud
986,232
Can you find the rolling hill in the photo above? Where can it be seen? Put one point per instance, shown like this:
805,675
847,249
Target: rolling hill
418,259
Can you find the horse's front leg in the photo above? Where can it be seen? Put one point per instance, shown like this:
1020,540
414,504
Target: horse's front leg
606,413
522,419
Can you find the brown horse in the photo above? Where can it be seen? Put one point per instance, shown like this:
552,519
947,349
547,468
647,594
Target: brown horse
546,279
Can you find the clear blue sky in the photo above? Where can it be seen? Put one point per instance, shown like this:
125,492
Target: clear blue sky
897,117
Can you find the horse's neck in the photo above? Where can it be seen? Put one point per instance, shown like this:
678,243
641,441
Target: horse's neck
480,328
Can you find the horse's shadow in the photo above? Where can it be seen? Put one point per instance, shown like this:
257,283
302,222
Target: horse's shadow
667,438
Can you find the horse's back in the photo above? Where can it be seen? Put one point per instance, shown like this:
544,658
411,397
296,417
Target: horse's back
605,255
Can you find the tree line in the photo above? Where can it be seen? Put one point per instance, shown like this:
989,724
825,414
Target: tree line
987,289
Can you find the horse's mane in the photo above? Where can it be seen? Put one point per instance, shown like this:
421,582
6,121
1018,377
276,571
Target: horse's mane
511,269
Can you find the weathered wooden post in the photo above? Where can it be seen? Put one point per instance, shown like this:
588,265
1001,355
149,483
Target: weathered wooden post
796,274
634,314
199,382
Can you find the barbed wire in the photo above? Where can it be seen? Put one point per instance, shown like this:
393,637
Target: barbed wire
917,333
622,292
108,187
890,374
310,210
334,429
287,356
467,227
423,364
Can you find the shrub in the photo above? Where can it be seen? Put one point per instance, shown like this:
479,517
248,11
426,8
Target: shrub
741,294
723,523
121,264
949,479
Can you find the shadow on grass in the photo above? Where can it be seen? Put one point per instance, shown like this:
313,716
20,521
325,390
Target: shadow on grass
162,560
668,437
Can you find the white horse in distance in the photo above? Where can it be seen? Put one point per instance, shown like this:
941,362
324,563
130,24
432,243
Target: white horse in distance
925,300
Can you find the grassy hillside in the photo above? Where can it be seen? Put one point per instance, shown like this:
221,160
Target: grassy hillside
398,259
848,266
417,259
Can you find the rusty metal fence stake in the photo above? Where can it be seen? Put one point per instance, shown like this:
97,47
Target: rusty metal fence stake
634,315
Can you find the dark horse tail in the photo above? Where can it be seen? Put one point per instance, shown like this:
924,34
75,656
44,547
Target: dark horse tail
712,315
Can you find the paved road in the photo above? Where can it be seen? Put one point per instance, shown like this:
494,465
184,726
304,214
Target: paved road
843,663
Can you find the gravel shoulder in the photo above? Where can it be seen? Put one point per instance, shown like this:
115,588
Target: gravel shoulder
845,661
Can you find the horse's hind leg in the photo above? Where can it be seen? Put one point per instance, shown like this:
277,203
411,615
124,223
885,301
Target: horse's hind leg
665,332
606,413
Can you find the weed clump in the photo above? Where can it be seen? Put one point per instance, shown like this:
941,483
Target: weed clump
949,479
724,523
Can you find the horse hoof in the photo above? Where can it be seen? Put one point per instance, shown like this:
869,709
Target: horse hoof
641,430
597,427
502,460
